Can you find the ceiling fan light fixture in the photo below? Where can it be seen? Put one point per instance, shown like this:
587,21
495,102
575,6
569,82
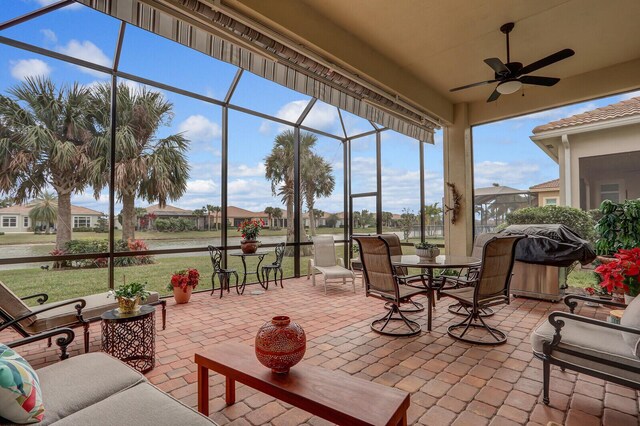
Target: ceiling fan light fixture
509,87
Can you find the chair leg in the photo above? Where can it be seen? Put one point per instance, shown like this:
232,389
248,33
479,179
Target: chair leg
85,325
313,278
235,274
49,342
222,278
213,283
164,314
281,274
353,283
309,269
546,376
413,326
267,273
474,320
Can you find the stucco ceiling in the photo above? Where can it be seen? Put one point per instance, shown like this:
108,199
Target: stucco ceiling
442,44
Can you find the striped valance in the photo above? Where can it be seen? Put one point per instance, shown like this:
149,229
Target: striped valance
279,64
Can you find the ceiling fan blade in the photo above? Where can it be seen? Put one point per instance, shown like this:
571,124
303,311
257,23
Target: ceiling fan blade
482,83
544,62
495,95
497,65
539,81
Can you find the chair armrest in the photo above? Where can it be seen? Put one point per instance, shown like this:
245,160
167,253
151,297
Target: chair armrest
555,318
67,336
569,301
42,298
341,262
81,303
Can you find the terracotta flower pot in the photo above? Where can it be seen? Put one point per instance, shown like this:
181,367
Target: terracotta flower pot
182,296
249,246
280,344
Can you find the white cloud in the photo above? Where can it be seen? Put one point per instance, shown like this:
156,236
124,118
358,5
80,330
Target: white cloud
201,186
514,174
247,171
199,128
86,51
49,35
69,7
629,95
322,117
23,68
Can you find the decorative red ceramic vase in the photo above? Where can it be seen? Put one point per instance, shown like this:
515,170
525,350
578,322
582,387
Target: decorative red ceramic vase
280,344
249,246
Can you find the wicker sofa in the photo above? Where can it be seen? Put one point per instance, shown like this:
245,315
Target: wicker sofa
95,389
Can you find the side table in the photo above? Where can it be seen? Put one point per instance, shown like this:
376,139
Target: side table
131,337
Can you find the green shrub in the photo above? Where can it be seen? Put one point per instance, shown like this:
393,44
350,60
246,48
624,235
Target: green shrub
619,226
101,246
174,224
578,220
82,229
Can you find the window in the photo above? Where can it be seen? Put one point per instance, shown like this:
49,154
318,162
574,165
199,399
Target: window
25,221
610,191
9,221
81,222
551,201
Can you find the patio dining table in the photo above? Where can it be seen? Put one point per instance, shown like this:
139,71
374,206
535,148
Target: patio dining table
428,265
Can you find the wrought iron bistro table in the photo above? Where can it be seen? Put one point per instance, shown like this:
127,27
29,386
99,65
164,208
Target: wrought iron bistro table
260,254
131,337
428,265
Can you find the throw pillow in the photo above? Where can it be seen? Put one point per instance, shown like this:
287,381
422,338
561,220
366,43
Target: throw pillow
20,394
631,318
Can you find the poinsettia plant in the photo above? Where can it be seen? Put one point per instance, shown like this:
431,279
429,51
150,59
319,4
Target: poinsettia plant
623,272
184,278
250,228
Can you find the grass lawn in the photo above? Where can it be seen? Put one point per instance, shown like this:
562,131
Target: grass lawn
582,278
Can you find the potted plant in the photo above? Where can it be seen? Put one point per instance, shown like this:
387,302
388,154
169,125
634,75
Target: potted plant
623,273
183,283
427,250
250,230
129,296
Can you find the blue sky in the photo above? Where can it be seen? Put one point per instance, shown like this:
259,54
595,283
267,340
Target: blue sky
503,151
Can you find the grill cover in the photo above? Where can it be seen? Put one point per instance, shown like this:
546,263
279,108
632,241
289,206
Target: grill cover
553,245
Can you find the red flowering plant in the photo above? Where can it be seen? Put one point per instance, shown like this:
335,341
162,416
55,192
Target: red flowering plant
250,229
184,278
623,272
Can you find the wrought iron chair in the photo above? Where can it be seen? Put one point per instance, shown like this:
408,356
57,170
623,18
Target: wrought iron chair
276,267
324,261
490,289
224,274
382,282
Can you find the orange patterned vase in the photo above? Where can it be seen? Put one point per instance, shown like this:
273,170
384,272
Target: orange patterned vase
280,344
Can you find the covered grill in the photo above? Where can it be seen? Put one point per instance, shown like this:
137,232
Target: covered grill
540,270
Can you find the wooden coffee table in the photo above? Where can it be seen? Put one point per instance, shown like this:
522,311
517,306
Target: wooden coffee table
336,397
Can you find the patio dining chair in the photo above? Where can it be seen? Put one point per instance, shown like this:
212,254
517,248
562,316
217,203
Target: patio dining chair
381,281
81,311
490,289
324,261
276,267
223,274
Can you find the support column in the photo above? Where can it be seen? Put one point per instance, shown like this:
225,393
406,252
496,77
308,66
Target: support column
458,170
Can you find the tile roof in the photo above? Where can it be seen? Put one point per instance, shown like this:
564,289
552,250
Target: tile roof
167,210
625,108
552,184
24,209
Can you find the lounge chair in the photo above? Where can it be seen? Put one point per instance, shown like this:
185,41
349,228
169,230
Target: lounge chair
324,261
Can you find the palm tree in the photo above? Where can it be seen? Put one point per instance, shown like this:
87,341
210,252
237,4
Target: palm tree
387,217
269,212
44,210
48,144
216,211
209,209
277,215
153,169
318,181
279,169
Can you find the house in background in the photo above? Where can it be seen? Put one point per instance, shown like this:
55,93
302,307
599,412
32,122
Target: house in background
548,193
328,220
236,215
598,153
16,218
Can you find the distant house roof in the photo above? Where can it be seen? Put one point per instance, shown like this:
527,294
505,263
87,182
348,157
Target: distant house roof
546,186
24,209
237,212
498,190
629,107
168,210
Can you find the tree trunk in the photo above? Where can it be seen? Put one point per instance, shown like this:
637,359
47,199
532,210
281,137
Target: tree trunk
312,220
128,217
63,232
208,221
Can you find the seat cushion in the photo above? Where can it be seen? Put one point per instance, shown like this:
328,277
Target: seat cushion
20,394
97,304
331,272
631,318
139,405
591,340
78,382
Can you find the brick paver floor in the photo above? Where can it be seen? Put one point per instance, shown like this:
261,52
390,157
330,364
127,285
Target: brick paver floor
450,382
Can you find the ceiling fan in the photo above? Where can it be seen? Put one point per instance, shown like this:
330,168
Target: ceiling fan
512,75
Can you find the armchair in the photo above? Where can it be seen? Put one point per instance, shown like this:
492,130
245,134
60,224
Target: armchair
587,345
67,336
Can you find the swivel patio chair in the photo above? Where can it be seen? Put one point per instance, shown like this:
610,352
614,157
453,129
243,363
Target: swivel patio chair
382,282
490,289
276,267
81,311
223,274
590,346
324,261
